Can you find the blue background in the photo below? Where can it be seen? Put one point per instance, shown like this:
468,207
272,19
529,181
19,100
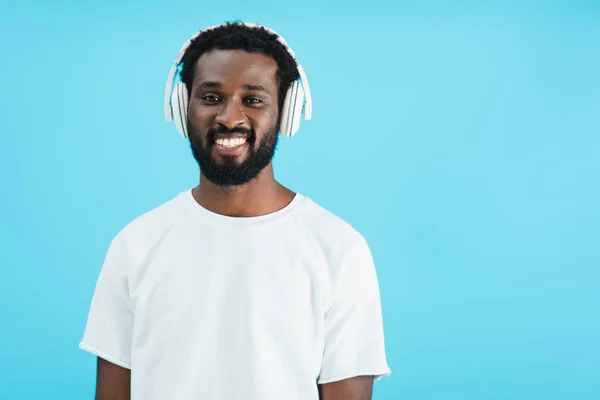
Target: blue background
461,138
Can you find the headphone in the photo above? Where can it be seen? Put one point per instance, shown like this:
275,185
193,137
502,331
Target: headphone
297,101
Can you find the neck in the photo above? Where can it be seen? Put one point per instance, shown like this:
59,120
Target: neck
263,195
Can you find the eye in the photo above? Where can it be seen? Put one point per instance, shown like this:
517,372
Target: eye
253,100
210,98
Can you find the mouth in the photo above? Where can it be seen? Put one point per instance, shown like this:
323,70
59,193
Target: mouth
230,146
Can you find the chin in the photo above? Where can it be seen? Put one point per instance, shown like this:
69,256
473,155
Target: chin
228,160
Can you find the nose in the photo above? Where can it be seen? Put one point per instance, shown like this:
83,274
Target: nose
230,114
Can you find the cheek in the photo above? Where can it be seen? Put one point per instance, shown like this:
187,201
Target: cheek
266,123
199,120
198,115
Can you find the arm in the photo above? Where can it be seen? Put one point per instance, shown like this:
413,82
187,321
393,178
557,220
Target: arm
112,381
109,330
354,352
358,388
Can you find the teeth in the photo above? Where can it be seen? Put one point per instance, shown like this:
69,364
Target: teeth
230,142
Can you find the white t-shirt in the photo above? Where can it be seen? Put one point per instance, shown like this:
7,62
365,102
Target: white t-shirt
204,306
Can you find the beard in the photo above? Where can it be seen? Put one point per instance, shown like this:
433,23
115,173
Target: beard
230,173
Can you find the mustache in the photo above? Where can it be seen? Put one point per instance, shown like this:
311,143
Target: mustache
222,130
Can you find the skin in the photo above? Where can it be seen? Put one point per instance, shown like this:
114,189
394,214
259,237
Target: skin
235,102
112,381
358,388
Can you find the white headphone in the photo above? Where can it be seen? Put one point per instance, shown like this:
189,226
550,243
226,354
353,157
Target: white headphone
297,102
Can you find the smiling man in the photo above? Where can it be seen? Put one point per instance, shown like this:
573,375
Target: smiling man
238,288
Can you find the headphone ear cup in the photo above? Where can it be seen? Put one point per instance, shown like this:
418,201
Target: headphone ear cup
179,103
291,111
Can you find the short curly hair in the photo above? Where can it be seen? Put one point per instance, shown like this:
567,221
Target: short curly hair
237,36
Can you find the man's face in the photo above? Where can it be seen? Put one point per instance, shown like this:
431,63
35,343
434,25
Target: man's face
233,115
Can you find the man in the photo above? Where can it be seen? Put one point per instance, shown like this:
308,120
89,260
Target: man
238,288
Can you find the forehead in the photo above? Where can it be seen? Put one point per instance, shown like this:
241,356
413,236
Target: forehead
236,68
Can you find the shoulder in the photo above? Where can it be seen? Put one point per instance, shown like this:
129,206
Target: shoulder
327,225
150,226
334,237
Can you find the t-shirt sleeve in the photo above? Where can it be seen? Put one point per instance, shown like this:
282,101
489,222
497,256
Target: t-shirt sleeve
109,327
354,338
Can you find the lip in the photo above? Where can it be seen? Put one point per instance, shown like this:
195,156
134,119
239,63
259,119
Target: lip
230,136
230,151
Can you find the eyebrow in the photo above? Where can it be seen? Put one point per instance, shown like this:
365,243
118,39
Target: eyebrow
258,88
210,85
218,85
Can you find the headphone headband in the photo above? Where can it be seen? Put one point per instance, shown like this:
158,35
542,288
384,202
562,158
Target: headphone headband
170,82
